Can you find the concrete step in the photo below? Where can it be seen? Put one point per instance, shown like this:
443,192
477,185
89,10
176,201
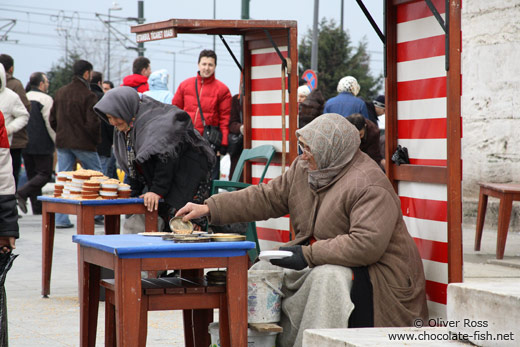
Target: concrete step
432,337
487,310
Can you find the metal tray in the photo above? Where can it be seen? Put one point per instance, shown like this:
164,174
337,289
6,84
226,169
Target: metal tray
185,238
227,237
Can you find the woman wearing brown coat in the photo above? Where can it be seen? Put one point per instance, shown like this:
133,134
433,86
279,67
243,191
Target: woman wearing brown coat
348,223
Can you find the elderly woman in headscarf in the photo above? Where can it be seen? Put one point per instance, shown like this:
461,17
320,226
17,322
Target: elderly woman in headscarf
157,147
354,264
347,102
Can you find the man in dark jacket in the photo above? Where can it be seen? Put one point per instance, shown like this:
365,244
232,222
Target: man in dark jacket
76,126
20,137
38,155
369,134
104,148
139,80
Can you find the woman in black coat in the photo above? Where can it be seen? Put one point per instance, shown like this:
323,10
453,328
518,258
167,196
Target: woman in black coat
158,148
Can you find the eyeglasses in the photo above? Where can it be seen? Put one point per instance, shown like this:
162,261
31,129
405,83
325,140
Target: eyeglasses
304,148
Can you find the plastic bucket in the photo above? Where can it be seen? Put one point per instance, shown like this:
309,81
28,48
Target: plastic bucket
254,338
264,296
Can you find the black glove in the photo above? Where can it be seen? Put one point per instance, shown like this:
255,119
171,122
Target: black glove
401,156
223,150
296,261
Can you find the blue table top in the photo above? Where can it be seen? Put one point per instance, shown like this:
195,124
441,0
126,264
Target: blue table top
138,246
92,202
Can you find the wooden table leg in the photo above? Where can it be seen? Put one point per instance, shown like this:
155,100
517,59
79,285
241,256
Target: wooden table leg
504,215
110,317
150,221
481,216
85,225
89,301
47,248
236,284
112,224
85,220
127,298
223,322
196,324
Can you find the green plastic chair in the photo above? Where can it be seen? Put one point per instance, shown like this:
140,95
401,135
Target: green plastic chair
261,152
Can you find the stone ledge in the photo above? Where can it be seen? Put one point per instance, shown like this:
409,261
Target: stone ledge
484,307
433,337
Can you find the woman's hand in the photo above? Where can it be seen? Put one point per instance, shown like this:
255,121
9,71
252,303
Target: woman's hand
192,211
151,201
7,244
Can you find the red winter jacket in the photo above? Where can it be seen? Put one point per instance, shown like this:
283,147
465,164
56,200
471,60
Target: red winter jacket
136,81
215,100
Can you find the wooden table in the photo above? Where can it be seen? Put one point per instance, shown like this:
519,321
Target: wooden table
85,210
128,255
506,193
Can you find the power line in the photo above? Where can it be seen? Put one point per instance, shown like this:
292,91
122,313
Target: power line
47,14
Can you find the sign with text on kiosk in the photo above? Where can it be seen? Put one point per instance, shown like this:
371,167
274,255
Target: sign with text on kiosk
156,35
311,78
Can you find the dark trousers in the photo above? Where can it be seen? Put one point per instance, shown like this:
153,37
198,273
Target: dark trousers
215,173
39,171
16,158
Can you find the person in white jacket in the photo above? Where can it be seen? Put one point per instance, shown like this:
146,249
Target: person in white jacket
9,230
15,113
38,154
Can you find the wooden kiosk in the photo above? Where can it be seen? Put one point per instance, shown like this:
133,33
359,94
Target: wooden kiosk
423,113
270,61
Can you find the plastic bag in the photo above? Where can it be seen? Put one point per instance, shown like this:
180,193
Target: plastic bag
6,261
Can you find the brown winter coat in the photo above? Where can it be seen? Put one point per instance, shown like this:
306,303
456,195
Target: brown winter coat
356,220
73,117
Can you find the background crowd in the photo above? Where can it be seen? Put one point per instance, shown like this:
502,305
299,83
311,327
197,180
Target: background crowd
49,134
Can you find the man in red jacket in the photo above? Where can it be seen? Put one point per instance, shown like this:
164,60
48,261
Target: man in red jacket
139,80
215,101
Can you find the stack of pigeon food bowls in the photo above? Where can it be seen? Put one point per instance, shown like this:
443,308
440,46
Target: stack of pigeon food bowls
109,189
62,187
123,191
59,185
90,189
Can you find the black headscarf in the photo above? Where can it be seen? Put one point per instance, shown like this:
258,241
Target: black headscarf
156,128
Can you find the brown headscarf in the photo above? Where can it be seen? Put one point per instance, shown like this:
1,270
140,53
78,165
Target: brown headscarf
333,141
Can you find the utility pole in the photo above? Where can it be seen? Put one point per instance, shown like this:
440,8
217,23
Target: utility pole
214,17
245,9
245,15
140,20
342,4
115,7
314,48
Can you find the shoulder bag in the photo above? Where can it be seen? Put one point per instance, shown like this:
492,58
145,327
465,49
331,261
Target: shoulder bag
210,133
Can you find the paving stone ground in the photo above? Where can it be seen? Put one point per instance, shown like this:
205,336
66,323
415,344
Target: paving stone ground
54,322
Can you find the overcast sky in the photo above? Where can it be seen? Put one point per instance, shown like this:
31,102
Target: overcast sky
38,38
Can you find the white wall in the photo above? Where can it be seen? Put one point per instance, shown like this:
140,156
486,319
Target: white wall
490,97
